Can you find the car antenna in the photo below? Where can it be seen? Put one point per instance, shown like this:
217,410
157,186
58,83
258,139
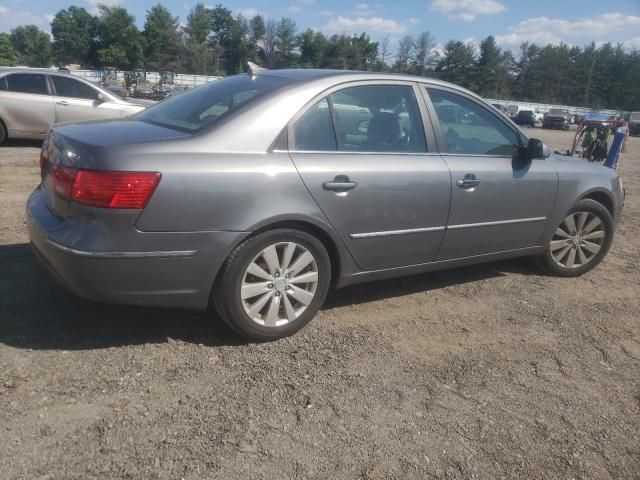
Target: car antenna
256,69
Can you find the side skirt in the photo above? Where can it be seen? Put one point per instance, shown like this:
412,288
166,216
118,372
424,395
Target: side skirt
369,275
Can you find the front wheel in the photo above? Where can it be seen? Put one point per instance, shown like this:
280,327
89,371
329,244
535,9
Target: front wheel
580,242
273,284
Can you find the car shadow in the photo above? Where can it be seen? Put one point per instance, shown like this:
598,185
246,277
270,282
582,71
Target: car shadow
21,142
37,313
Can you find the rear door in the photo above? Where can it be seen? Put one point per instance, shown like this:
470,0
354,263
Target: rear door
27,105
75,100
498,202
362,153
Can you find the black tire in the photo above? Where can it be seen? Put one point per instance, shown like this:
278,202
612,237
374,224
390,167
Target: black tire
3,132
547,262
226,293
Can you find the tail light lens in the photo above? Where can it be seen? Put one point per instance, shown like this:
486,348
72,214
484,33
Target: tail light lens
131,190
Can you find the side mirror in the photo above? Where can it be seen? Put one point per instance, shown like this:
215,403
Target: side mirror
102,98
537,149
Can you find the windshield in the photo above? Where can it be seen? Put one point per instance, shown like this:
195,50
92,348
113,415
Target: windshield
199,108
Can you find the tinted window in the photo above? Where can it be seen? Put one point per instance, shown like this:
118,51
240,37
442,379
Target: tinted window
27,83
378,118
201,107
68,87
314,130
468,128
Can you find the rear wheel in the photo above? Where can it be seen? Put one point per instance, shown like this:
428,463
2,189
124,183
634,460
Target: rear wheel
273,284
580,242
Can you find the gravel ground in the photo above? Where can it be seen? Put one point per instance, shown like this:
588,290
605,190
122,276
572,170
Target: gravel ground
493,371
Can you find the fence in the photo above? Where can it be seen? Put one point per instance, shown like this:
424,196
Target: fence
545,107
153,77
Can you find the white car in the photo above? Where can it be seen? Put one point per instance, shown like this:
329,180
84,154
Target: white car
31,100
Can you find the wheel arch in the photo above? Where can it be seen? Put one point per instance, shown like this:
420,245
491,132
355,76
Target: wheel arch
602,197
338,256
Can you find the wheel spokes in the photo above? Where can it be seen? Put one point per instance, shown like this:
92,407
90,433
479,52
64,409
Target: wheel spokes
250,290
557,244
593,235
270,255
570,223
591,247
595,222
279,284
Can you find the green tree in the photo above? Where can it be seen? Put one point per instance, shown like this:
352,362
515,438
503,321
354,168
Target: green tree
257,31
73,31
423,46
286,31
162,40
457,63
8,54
33,46
118,40
198,29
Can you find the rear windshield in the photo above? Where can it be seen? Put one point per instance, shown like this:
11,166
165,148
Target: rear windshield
201,107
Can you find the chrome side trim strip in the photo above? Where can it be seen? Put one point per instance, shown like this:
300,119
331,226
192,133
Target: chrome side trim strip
440,229
499,222
157,254
396,232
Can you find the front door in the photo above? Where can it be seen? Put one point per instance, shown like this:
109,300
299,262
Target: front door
498,203
75,101
362,153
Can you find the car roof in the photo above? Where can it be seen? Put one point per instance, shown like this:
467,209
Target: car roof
310,74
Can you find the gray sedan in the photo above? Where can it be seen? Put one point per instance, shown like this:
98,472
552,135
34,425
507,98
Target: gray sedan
31,100
260,192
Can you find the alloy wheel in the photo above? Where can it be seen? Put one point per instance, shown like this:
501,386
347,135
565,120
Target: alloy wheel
578,240
279,284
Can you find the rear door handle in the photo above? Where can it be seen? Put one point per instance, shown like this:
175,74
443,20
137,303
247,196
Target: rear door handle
341,183
64,103
469,181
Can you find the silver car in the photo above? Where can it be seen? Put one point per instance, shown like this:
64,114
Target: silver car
31,100
260,192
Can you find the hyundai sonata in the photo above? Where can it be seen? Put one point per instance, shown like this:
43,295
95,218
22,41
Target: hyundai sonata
260,192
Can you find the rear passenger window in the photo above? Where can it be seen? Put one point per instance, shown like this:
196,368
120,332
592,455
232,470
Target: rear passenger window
314,130
378,118
27,83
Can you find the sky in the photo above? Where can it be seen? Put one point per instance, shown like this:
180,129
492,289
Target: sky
576,22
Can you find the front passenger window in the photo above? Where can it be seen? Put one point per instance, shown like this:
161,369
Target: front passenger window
470,129
68,87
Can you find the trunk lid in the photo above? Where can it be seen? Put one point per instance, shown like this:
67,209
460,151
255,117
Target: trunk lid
85,145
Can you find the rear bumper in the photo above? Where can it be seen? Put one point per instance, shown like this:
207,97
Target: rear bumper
86,258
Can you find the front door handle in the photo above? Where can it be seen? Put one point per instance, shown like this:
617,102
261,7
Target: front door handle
64,103
341,183
469,181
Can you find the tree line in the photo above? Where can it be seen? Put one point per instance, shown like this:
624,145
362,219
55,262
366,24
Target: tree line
213,41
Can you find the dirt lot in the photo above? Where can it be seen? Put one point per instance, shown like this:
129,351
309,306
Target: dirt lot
487,372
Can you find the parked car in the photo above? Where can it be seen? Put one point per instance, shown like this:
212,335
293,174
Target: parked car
501,108
634,123
526,117
31,100
557,118
259,192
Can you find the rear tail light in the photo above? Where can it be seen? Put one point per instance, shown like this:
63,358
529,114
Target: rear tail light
131,190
